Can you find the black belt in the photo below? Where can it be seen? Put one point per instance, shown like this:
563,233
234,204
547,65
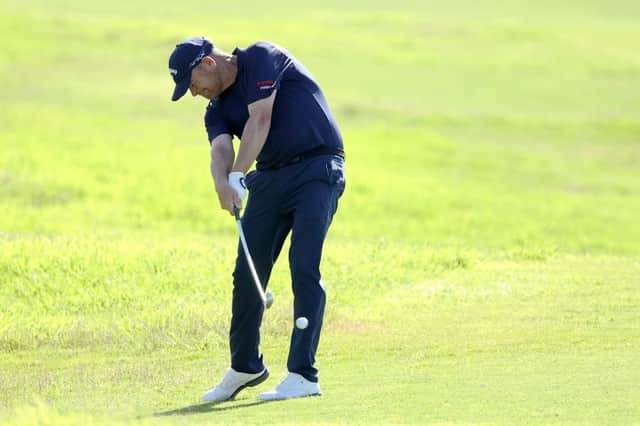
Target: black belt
315,152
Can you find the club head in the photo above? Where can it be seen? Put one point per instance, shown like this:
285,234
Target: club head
269,300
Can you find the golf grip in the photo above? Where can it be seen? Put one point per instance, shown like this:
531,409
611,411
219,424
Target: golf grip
243,241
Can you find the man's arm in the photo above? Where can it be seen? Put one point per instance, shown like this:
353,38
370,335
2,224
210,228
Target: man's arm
222,156
255,133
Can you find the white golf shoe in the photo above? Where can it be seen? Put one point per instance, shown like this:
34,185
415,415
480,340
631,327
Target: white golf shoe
293,386
232,383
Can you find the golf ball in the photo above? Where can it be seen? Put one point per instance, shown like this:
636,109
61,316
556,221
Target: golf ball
302,323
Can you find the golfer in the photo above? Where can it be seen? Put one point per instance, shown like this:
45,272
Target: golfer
269,100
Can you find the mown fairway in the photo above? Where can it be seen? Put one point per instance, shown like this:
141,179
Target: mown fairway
484,266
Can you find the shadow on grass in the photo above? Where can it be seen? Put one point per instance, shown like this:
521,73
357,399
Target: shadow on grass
208,407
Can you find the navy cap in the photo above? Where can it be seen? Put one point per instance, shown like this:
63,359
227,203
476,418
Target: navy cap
184,58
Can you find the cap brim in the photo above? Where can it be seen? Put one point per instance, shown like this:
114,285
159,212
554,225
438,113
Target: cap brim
181,88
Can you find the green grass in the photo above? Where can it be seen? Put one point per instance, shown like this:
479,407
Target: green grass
484,266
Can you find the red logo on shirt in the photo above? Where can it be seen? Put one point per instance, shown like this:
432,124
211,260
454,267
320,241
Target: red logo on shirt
263,83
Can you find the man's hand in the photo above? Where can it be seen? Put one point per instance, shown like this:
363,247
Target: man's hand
228,197
236,180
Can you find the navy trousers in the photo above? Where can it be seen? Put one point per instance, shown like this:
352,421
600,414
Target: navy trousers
302,199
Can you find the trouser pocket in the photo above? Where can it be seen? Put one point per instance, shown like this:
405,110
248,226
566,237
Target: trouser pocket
335,173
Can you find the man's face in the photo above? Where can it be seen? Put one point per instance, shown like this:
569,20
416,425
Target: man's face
205,80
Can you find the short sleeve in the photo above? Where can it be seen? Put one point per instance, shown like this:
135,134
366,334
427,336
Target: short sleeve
264,72
215,123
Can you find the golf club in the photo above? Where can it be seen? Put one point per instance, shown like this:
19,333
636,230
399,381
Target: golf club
267,299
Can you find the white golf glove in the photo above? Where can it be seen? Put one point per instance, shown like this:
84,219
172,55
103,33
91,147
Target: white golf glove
236,180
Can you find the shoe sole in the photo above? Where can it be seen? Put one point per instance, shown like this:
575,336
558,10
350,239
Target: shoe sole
290,397
255,382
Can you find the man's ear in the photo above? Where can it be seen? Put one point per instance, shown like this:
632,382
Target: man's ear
209,61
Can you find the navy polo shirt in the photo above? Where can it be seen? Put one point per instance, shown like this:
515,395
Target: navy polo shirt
301,119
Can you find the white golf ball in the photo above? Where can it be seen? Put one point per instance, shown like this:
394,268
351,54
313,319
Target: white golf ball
302,323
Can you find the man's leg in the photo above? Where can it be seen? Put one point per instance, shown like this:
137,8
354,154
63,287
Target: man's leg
315,206
265,230
314,188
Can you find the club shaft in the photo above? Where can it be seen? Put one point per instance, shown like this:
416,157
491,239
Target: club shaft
252,268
